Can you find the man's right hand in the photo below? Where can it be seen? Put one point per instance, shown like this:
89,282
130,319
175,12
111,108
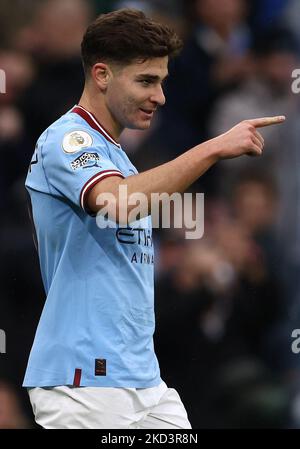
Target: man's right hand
244,138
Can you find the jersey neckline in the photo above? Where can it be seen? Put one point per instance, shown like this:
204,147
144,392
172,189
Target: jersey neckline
93,122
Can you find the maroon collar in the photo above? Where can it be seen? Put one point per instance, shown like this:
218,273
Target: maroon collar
93,122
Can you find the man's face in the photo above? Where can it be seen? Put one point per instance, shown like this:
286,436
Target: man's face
135,91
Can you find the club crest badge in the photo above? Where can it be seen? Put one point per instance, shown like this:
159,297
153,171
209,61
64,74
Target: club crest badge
76,141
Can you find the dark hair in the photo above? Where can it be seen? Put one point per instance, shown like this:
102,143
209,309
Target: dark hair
126,35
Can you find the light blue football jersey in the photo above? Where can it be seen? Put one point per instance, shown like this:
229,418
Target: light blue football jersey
97,324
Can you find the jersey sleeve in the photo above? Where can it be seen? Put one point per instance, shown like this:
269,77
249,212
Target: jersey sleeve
75,163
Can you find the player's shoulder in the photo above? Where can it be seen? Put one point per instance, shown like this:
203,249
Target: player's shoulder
70,134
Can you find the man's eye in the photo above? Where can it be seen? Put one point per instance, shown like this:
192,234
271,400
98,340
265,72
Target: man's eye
146,82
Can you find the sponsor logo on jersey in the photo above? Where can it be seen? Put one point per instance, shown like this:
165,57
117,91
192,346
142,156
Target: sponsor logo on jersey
76,141
85,160
100,367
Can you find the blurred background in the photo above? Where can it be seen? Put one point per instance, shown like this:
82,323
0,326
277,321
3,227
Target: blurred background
227,304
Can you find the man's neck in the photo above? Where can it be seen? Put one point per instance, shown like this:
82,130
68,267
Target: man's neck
97,107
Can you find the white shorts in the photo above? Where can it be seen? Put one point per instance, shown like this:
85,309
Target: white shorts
108,408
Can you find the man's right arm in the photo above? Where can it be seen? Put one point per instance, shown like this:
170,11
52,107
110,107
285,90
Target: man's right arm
178,174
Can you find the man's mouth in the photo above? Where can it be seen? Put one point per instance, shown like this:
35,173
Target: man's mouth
148,112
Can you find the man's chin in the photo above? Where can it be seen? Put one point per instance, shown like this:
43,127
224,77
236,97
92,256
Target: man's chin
145,125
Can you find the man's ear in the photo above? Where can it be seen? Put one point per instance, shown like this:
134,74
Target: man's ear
101,74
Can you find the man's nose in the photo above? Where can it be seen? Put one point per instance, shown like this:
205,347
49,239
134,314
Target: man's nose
158,96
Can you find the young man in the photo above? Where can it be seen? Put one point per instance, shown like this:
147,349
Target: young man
92,364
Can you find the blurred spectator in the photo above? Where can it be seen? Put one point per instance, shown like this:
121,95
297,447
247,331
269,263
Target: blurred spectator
214,58
291,17
254,202
11,413
19,71
267,92
216,305
14,15
55,29
54,38
224,295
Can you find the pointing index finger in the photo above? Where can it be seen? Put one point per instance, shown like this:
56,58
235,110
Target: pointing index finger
267,121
